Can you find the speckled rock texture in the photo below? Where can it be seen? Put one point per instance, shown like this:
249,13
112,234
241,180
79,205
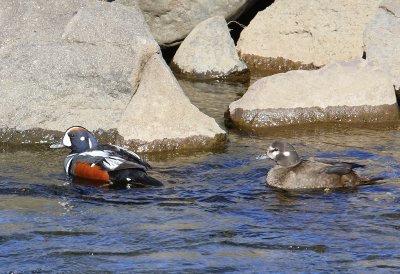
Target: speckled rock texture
209,52
305,33
382,39
350,91
72,62
170,21
168,114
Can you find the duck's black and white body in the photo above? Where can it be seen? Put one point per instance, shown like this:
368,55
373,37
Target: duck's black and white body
113,165
292,172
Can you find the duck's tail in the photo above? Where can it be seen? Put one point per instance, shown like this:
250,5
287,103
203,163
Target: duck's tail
371,181
134,178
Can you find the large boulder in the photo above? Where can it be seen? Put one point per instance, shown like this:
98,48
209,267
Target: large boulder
164,118
382,39
85,70
350,91
209,52
305,34
170,21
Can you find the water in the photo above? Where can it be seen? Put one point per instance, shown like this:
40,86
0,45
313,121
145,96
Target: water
215,213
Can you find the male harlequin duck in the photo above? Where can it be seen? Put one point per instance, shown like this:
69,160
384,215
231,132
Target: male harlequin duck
116,167
291,172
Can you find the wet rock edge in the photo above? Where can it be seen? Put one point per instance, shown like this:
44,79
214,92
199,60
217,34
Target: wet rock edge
260,120
38,136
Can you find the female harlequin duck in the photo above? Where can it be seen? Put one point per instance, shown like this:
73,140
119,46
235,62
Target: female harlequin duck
116,167
291,172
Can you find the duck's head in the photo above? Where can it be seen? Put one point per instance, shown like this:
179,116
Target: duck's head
283,154
78,139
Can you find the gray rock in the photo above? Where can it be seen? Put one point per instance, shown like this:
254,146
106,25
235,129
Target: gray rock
84,69
170,21
153,119
305,34
209,52
382,39
335,93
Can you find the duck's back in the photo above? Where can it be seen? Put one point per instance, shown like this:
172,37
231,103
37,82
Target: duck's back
312,175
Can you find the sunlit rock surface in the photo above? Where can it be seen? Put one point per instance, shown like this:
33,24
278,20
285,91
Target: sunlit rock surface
161,112
65,63
170,21
305,34
350,91
382,39
209,52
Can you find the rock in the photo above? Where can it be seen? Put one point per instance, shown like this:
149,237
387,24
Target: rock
209,52
161,114
85,71
305,34
170,21
382,40
335,93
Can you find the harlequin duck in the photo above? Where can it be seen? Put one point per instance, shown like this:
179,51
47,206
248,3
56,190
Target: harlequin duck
112,165
291,172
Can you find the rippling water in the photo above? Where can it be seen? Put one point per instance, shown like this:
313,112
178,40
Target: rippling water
215,213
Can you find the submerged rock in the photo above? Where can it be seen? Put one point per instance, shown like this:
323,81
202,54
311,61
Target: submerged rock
170,21
350,91
209,52
382,39
84,69
305,34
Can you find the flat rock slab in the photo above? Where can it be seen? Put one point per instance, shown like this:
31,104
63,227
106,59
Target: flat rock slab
350,91
305,34
382,39
209,52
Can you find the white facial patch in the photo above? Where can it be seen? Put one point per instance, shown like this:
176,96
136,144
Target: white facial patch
90,143
286,153
272,153
67,140
82,138
275,153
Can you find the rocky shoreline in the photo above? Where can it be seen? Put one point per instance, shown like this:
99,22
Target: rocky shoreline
99,64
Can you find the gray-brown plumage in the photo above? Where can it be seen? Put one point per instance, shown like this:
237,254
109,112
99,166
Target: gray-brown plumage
292,172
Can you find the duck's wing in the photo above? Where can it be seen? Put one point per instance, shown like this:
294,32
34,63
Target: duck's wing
123,153
113,163
339,168
107,161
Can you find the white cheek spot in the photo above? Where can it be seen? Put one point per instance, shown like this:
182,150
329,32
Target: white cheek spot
82,138
67,141
275,153
286,153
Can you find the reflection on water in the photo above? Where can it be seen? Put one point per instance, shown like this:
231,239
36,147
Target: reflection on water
215,213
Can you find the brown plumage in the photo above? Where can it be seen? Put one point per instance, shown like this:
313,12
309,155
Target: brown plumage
291,172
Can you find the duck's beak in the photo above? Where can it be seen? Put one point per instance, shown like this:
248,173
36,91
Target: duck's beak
57,145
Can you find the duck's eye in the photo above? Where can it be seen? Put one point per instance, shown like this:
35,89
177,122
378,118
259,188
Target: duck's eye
72,135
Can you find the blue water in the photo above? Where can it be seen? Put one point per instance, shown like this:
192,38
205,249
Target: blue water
214,214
